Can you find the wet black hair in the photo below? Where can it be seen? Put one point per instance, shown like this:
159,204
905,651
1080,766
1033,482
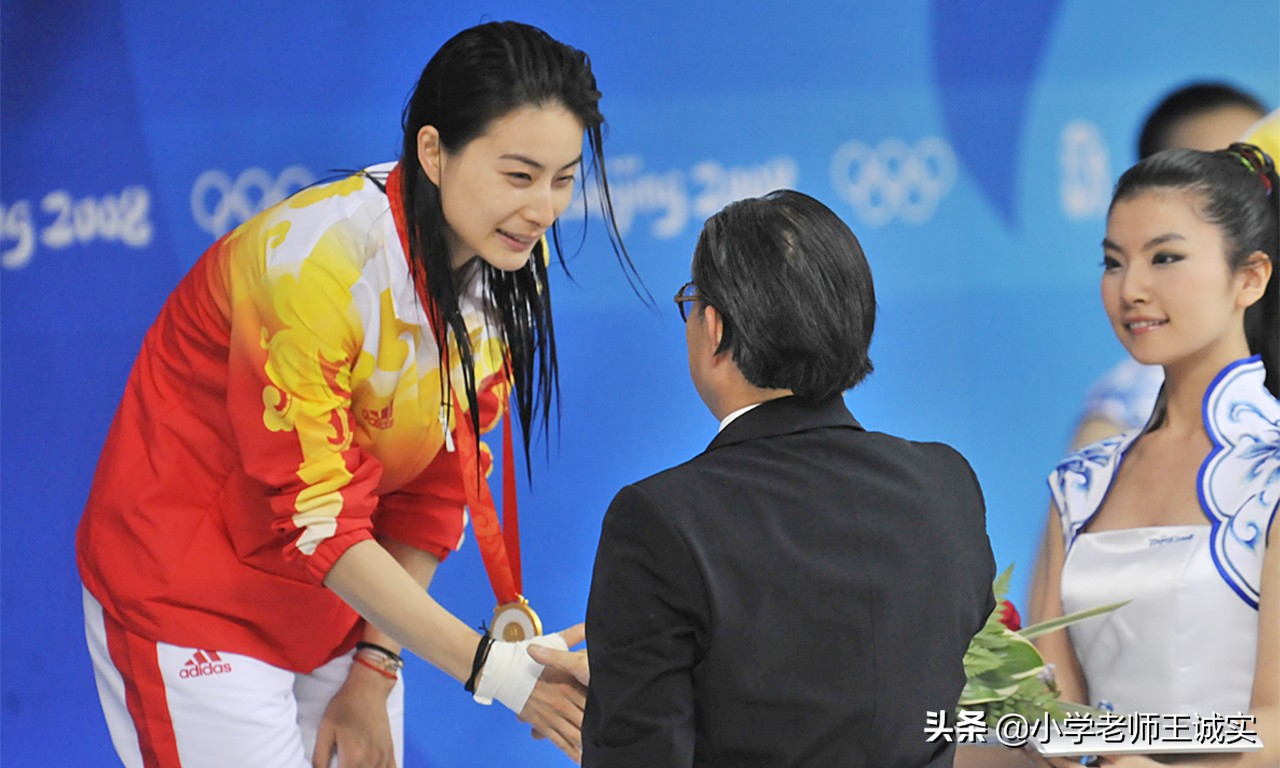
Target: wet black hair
477,77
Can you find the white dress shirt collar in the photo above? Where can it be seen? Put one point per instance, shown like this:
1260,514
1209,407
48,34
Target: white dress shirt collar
727,420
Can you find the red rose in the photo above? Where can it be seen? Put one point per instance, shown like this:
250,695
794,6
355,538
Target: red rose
1008,615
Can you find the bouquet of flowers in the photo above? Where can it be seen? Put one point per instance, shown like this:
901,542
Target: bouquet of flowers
1006,673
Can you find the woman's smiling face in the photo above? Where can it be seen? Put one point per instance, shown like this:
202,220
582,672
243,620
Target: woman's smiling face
505,188
1166,285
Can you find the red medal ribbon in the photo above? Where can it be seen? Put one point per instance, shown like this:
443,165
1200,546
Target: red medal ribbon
510,519
499,548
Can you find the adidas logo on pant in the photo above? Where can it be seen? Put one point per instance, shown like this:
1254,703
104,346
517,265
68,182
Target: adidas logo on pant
204,663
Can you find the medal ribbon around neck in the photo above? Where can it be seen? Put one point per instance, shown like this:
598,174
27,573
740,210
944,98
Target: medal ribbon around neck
499,543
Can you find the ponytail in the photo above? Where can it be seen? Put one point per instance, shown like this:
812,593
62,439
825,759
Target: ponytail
1262,320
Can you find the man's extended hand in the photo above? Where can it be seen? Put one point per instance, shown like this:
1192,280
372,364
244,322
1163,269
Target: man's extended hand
573,662
556,704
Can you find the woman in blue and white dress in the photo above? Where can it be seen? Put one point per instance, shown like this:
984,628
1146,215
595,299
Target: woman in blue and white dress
1178,517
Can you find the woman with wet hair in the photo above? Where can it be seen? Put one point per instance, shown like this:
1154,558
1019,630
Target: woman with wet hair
298,438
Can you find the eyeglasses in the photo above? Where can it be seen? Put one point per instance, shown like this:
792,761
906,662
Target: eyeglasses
687,293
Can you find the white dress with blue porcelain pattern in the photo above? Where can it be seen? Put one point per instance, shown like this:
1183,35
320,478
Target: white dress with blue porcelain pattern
1187,642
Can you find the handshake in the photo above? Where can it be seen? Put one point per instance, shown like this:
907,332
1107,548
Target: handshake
542,681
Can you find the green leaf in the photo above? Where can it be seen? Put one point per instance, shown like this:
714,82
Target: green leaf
1001,585
979,655
976,693
980,666
1052,625
1022,656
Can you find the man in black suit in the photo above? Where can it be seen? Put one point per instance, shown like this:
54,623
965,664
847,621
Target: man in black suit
802,592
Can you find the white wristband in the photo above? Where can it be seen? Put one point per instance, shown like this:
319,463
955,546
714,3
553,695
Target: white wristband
510,673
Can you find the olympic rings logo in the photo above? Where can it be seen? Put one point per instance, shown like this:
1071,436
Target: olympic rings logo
219,204
894,179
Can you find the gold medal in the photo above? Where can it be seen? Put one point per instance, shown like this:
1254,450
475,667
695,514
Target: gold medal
516,621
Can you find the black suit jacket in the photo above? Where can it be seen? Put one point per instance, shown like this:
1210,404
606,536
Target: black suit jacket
800,594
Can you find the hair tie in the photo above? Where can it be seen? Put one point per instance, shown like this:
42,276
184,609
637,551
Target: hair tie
477,663
1257,161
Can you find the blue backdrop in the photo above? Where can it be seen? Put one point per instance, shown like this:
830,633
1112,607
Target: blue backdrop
971,145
